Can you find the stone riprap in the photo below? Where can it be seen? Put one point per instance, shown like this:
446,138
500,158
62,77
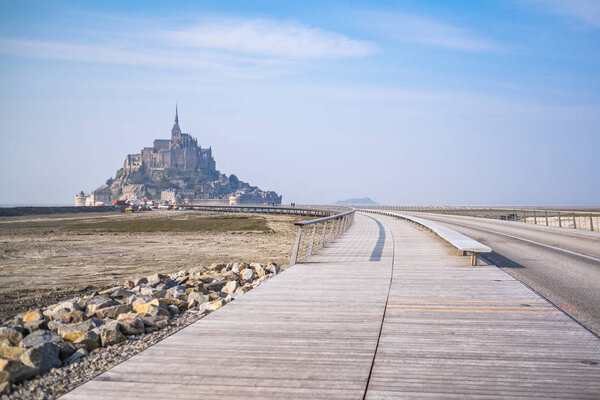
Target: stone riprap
43,340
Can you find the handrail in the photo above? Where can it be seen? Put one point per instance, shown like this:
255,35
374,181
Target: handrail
344,221
316,221
259,209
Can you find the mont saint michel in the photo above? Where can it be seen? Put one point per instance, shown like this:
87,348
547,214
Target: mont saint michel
177,170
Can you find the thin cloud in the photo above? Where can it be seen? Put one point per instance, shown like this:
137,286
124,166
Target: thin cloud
416,29
251,48
271,38
145,56
587,11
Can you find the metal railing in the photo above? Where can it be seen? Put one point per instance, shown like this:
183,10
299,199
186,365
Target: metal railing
573,219
320,232
309,212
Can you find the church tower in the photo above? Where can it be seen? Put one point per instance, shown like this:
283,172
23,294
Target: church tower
176,131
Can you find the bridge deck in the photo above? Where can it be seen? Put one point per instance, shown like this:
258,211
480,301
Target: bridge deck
450,331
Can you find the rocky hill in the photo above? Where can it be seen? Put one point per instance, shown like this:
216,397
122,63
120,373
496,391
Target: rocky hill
178,170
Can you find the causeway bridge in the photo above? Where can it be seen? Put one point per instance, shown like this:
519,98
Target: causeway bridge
383,304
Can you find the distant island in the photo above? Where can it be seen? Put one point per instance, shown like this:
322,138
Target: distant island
364,201
178,171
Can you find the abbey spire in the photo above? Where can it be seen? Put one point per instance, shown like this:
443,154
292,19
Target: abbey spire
176,130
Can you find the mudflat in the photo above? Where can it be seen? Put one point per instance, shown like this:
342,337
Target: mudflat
47,258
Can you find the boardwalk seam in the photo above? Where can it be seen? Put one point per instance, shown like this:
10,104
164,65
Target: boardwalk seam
387,299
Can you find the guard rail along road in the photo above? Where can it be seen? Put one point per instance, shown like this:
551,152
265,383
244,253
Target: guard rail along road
588,220
320,232
463,243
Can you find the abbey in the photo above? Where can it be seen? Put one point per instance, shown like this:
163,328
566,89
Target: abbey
177,170
181,152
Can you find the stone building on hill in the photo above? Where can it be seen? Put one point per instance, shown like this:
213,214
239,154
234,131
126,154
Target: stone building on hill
182,171
180,153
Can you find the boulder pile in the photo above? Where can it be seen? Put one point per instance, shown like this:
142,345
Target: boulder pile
37,341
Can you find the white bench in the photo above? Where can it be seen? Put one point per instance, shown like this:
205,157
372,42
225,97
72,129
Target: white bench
463,243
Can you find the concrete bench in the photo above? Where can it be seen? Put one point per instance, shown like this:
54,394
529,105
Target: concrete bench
464,244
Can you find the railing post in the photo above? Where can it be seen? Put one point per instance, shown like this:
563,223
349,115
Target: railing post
296,247
312,240
546,217
322,242
332,229
574,223
591,223
559,220
534,218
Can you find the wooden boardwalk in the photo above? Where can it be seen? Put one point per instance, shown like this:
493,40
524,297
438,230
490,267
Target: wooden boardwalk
318,331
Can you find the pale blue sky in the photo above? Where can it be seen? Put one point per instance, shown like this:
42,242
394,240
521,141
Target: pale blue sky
415,102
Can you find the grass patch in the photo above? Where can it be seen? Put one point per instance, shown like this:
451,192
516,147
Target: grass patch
165,224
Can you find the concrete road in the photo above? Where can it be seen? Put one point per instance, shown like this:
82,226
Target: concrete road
563,265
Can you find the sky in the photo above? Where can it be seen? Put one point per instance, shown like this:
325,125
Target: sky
407,102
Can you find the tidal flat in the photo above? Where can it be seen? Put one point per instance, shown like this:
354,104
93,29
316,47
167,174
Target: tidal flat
48,258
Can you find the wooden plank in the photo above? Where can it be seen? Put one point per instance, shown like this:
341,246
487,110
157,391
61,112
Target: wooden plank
311,332
450,331
453,331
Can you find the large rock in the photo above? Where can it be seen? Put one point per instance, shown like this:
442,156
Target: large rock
216,285
32,316
97,302
259,281
72,332
181,304
231,276
68,316
131,324
198,270
110,334
30,327
109,291
114,311
10,351
67,311
247,275
139,281
154,307
90,339
177,292
17,370
272,268
217,267
76,356
237,267
43,357
152,292
260,271
211,306
128,284
196,298
5,384
139,298
156,279
121,294
11,334
230,287
66,349
40,337
154,323
55,325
